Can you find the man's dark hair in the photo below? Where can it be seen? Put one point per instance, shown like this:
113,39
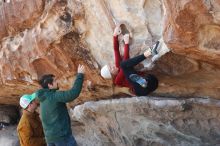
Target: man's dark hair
45,80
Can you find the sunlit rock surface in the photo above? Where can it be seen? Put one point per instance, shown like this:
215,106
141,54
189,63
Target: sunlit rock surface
147,121
54,36
16,15
192,28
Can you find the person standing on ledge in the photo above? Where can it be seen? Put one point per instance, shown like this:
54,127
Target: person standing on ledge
54,112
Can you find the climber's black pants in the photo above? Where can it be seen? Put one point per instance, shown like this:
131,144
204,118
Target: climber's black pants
128,69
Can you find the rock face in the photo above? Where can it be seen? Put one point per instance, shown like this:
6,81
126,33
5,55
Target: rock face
17,16
9,114
49,46
192,29
8,137
147,121
55,36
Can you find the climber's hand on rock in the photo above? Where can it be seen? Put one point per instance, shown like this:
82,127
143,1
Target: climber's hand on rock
126,38
81,69
113,70
117,30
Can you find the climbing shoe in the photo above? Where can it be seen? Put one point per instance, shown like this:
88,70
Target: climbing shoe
154,48
138,79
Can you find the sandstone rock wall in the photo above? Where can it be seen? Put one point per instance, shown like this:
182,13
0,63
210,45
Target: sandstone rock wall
147,121
8,137
54,36
192,29
16,16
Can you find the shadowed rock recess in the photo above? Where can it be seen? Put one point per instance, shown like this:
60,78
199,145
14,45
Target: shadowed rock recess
54,36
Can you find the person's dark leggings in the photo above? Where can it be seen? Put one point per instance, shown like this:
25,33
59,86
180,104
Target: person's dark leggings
128,69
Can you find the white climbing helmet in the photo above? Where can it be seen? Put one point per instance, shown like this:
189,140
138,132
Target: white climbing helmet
105,72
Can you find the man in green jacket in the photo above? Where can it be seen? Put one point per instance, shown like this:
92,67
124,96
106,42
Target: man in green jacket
54,113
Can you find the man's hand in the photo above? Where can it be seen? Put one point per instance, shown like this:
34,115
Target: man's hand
126,38
81,69
117,30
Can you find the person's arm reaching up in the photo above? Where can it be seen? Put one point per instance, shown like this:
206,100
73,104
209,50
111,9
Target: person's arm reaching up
69,95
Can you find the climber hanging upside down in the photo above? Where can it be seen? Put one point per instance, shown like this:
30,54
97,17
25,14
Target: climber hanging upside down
123,72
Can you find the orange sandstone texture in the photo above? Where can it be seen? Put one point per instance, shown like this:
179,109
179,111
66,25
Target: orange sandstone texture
39,37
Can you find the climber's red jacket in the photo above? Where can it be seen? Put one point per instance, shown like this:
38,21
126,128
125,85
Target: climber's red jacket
120,79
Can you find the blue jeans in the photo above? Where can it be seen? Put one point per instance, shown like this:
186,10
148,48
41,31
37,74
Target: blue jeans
70,141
